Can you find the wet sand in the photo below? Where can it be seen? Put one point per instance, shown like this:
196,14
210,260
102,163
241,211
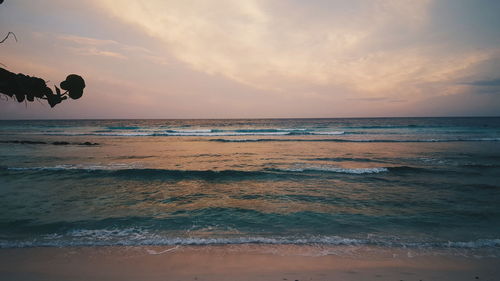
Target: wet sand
236,263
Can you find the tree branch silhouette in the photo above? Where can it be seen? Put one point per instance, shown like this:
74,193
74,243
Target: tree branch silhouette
28,88
7,36
23,87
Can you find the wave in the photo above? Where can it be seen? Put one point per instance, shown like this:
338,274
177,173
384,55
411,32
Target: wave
171,133
478,165
345,159
87,143
328,133
324,168
273,134
132,171
144,237
123,128
246,132
134,131
267,130
360,140
409,126
70,167
216,134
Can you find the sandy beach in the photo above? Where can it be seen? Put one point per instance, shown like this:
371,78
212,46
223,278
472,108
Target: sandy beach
242,262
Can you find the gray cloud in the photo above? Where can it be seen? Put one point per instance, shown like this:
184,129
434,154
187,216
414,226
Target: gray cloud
488,83
484,87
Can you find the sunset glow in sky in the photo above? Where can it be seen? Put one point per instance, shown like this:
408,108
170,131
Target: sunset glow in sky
252,58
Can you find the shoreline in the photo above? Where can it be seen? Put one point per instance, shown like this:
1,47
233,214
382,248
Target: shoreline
237,262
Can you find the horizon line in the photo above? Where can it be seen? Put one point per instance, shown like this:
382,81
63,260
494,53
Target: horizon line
251,118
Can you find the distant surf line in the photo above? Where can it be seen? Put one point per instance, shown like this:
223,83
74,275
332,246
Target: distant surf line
359,140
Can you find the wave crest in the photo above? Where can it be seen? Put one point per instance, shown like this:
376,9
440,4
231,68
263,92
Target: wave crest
333,169
143,237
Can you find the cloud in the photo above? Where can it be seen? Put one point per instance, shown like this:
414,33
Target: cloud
491,86
275,46
95,52
225,58
492,82
379,99
87,41
88,46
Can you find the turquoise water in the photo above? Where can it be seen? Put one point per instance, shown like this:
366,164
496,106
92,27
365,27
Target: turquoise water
389,182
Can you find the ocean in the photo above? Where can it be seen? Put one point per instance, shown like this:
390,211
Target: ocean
416,183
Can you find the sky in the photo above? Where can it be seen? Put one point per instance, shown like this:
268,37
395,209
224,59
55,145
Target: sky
257,58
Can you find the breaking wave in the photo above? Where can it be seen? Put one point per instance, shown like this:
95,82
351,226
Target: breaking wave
132,171
324,168
359,140
143,237
135,131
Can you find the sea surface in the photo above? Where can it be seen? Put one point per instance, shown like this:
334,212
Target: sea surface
417,183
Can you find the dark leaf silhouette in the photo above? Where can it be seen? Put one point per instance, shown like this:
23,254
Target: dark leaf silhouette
74,85
23,87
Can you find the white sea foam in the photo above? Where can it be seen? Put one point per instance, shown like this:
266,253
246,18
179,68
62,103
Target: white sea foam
335,169
64,133
226,134
142,237
257,132
126,166
481,243
293,129
342,140
193,131
109,166
208,133
196,132
134,134
328,133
